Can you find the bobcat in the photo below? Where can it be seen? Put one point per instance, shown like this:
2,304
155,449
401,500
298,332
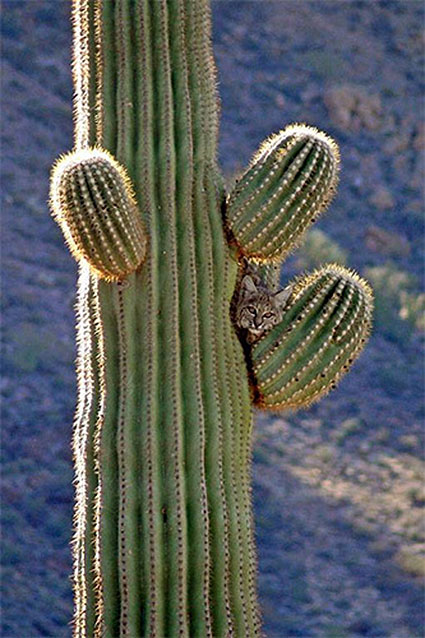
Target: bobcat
257,308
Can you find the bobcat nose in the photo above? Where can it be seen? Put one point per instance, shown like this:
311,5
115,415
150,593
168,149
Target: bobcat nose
257,322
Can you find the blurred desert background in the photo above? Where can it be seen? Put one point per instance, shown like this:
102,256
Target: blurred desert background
338,489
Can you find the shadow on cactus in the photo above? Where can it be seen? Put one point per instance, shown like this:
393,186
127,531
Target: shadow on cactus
163,527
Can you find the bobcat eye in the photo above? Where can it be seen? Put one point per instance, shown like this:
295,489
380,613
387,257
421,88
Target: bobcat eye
252,310
268,315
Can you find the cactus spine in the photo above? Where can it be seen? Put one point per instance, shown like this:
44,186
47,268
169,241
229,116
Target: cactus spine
163,542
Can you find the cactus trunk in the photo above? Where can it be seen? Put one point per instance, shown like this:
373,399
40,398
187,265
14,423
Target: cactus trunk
163,542
163,523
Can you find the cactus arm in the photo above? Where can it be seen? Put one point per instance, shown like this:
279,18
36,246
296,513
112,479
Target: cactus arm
290,181
323,330
93,201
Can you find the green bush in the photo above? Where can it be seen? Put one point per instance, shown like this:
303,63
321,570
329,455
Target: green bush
399,309
317,249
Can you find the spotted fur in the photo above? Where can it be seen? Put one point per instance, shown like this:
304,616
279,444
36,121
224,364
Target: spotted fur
258,309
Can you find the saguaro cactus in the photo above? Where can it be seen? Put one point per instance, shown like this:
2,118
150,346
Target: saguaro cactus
163,542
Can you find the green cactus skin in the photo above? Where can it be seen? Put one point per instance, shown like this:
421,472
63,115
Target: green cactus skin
163,531
93,202
289,183
324,329
163,542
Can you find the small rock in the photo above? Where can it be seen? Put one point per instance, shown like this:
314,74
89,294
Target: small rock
387,243
280,100
351,108
419,138
382,198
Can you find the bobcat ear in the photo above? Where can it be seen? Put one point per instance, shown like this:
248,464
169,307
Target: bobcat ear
282,296
247,284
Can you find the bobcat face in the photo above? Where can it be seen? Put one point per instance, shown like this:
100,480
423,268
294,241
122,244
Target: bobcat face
259,309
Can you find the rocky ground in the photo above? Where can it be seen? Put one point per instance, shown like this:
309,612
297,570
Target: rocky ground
338,489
